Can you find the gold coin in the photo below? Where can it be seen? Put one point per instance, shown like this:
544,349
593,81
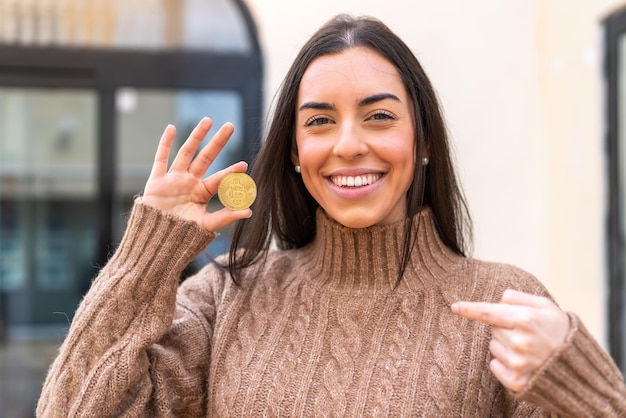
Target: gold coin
237,191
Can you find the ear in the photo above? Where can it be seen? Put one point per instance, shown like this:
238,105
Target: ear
294,155
427,149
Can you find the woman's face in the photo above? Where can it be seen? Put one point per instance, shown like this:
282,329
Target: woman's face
355,137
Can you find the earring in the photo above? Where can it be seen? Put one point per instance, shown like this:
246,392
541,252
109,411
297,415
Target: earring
425,161
298,169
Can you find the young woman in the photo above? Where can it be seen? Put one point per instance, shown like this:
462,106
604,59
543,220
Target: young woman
368,306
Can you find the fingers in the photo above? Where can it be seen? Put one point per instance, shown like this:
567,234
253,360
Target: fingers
515,308
161,158
209,153
526,329
509,378
211,183
185,157
515,297
182,190
512,368
188,150
497,314
520,351
219,219
516,341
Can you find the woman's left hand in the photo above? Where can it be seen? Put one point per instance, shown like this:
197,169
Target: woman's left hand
526,330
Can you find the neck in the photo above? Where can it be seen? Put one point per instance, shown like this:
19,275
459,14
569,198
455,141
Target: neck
367,261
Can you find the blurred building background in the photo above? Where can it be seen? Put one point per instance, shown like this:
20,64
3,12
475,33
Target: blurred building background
86,89
532,91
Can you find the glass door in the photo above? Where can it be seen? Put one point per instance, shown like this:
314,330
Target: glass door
47,227
83,103
142,115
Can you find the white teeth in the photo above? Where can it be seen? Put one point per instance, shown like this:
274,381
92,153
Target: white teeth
355,181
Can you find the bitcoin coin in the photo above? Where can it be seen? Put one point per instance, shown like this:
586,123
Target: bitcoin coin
236,191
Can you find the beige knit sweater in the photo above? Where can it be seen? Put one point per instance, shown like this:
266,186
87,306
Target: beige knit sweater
315,332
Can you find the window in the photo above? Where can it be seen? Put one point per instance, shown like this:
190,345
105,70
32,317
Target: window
139,112
83,102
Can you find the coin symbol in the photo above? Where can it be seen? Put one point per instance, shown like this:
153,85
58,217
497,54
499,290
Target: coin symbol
236,191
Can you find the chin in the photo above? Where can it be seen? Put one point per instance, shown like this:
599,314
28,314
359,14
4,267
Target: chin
357,224
353,221
365,217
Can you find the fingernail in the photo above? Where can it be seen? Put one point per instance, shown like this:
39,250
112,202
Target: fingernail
455,307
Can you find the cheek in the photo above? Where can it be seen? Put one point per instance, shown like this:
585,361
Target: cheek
402,157
402,153
309,153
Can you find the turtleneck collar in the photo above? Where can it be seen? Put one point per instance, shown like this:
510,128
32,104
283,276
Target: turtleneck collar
366,261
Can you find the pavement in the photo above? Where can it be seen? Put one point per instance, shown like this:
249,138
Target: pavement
23,367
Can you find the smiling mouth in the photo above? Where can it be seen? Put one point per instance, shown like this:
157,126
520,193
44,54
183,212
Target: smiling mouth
355,181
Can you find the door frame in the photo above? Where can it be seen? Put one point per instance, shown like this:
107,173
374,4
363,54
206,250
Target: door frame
107,70
614,29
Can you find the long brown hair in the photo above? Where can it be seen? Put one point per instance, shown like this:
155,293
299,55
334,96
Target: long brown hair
284,212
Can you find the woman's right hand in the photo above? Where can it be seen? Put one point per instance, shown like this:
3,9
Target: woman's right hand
182,190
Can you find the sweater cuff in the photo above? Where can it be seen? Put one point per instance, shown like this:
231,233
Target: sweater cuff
153,234
579,379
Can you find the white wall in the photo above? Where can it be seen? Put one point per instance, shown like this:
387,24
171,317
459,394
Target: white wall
521,85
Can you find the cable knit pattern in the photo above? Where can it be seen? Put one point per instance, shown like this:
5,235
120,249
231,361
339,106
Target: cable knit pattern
345,347
392,358
448,345
324,330
294,341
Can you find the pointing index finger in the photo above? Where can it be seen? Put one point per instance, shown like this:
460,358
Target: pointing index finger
496,314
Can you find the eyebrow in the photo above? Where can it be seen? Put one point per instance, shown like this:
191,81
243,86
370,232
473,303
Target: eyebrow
316,105
377,98
363,102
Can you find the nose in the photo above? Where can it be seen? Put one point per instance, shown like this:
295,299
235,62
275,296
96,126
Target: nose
350,143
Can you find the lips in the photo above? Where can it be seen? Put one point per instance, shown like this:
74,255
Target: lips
355,181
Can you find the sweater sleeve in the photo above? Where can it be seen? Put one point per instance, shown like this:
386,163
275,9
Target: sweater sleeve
579,380
128,351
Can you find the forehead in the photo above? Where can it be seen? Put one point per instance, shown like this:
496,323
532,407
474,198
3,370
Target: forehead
358,69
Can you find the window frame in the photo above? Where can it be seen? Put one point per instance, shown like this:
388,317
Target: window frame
107,70
614,29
